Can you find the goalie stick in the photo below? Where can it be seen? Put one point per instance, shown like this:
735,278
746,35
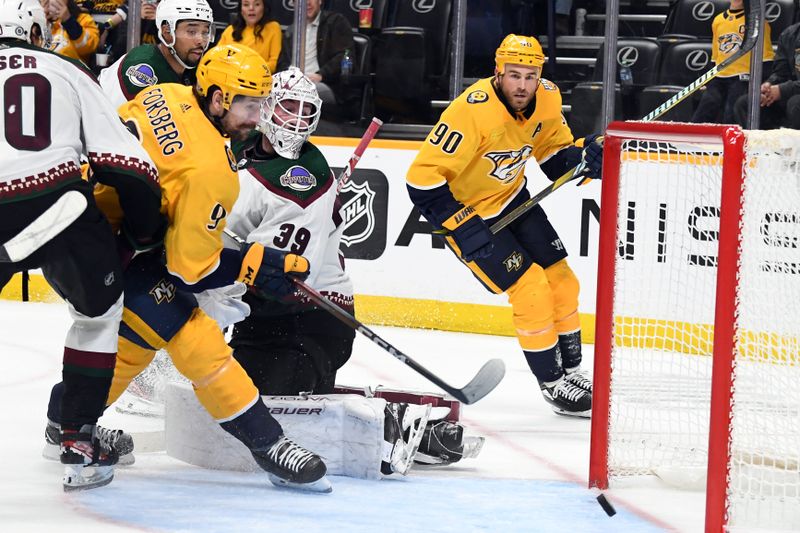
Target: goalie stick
50,223
752,31
372,130
484,382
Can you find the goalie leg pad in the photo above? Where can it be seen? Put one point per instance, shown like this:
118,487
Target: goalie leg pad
346,431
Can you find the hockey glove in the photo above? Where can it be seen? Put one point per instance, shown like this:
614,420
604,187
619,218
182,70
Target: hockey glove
129,246
269,270
471,234
593,157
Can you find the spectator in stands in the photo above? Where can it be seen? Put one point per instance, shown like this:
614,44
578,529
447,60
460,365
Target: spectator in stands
328,35
716,104
114,31
75,33
780,94
253,27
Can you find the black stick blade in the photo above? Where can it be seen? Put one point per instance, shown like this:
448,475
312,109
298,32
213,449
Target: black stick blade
484,382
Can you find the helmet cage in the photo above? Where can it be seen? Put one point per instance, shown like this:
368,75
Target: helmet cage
288,129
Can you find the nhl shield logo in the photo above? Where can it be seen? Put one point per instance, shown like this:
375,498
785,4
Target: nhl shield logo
357,213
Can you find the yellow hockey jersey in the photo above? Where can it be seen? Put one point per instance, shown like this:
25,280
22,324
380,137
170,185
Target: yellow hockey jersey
480,146
197,170
727,31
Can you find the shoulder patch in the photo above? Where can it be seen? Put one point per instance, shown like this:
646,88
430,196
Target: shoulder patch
477,97
141,75
231,159
298,178
548,85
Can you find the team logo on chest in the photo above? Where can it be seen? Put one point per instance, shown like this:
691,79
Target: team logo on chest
508,163
298,179
142,75
729,43
164,291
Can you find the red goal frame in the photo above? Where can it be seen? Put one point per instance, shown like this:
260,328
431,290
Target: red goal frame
732,140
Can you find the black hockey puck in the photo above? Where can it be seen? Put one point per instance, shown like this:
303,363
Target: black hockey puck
606,505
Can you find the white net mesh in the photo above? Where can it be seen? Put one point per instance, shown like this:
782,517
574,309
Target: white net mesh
664,307
764,489
664,302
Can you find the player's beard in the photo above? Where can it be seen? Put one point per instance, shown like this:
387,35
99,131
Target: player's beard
193,57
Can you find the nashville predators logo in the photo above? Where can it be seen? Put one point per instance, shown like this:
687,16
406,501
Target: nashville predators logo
508,164
729,43
163,292
513,262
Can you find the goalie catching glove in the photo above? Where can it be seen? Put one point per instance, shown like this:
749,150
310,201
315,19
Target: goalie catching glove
471,234
270,270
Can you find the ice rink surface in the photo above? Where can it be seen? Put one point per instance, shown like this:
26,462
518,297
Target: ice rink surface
531,475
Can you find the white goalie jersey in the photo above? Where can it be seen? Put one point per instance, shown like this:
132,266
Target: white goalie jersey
291,205
56,117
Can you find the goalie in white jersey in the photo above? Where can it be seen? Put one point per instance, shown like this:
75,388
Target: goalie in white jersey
55,115
288,200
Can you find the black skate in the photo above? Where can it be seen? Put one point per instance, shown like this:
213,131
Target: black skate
568,399
444,443
290,465
88,464
113,439
580,379
403,427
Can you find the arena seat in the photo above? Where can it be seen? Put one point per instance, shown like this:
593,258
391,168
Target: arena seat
779,14
641,56
351,8
587,101
693,17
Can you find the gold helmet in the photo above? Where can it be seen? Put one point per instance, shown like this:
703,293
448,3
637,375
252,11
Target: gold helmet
518,50
237,70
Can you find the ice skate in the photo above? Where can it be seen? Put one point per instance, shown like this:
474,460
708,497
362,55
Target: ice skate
444,443
88,464
568,399
580,379
403,429
290,465
116,440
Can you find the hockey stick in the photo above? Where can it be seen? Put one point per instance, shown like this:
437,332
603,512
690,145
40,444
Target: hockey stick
487,378
372,129
50,223
752,31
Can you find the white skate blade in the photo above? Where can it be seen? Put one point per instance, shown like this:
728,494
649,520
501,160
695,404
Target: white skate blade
472,447
573,414
322,485
79,477
52,452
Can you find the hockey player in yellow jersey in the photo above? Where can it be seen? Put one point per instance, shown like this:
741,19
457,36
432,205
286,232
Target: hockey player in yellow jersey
720,95
470,172
187,132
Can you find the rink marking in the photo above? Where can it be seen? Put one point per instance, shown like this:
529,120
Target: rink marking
562,473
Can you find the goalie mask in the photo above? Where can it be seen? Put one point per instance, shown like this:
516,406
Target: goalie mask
290,113
18,17
170,12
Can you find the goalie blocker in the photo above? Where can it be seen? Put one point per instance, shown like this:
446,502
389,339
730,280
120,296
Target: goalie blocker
379,435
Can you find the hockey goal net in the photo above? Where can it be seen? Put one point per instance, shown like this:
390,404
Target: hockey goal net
697,356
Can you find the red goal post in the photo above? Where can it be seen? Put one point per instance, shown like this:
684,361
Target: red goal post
699,255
